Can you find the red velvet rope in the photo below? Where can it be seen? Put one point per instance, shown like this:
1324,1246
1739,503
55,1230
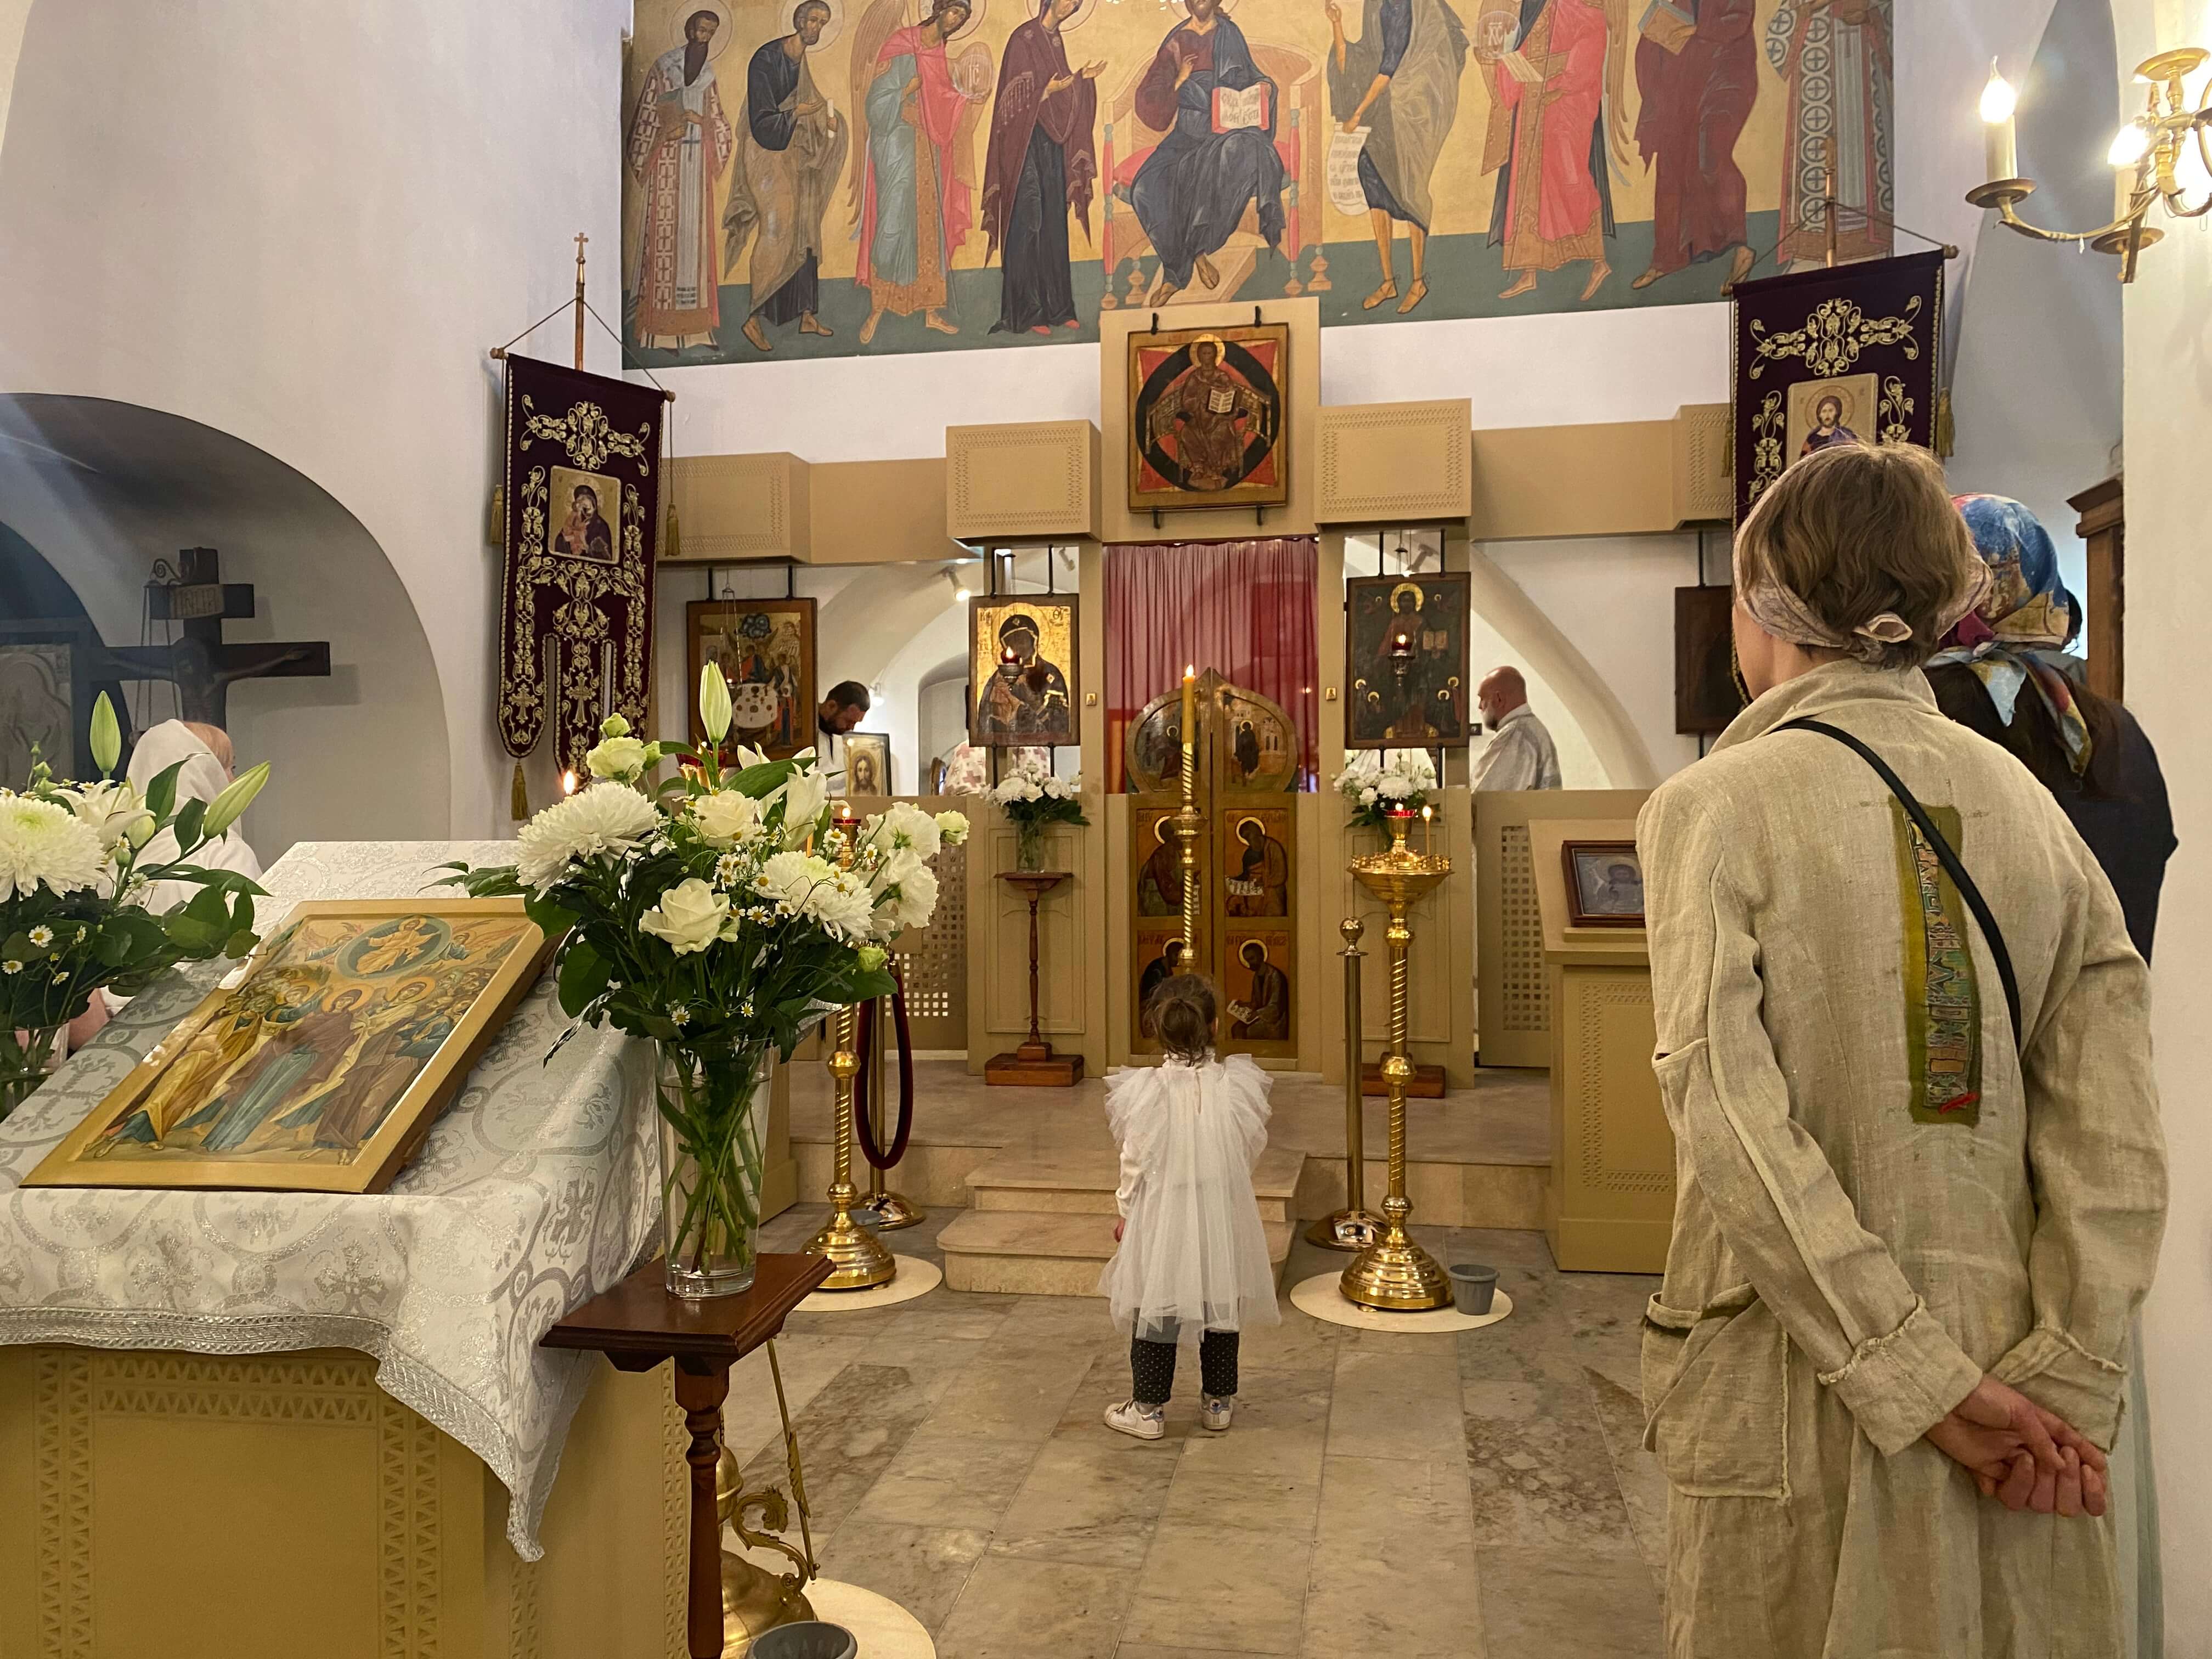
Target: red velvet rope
863,1131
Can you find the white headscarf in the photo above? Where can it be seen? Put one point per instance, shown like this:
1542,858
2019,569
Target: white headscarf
201,777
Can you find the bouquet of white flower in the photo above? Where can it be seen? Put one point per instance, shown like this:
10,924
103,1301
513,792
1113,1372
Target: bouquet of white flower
1380,781
720,914
73,916
1033,796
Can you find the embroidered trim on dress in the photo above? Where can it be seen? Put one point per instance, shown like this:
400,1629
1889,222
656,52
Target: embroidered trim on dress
1942,994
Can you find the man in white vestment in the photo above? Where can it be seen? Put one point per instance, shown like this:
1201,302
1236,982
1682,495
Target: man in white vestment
845,707
1520,754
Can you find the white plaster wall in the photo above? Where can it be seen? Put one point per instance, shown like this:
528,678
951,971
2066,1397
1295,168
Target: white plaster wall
943,700
312,225
2168,418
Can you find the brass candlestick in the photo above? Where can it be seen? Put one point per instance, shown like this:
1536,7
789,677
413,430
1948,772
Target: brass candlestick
1187,824
857,1257
1355,1226
1393,1272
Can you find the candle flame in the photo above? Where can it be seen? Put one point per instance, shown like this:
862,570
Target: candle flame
2130,145
1998,99
567,783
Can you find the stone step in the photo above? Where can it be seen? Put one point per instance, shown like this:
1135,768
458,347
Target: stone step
1083,1183
1046,1253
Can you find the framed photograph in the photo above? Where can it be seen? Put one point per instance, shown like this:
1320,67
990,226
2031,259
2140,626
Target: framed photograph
1706,695
765,649
1406,656
1208,416
1021,662
867,763
322,1069
1605,884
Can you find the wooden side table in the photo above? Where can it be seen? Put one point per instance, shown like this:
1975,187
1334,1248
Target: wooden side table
1033,1062
638,1324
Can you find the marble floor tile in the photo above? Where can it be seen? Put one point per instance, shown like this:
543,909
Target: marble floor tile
1092,1497
1393,1567
848,1435
946,1476
750,1418
1281,1429
1539,1602
1012,1608
1539,1469
923,1569
1204,1587
1267,1503
1643,1487
1391,1402
1147,1651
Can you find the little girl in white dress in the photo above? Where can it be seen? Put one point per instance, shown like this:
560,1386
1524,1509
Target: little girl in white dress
1193,1262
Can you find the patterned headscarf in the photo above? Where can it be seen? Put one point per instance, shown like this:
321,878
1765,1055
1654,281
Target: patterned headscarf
2017,636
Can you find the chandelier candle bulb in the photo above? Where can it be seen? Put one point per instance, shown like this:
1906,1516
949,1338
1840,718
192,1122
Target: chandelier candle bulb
2001,142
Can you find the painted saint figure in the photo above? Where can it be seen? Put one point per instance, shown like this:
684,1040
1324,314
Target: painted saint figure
679,143
1834,56
1401,79
1026,696
1556,118
790,147
1193,188
1261,885
1159,881
1828,427
1212,412
914,206
584,534
1698,74
1041,166
1263,1014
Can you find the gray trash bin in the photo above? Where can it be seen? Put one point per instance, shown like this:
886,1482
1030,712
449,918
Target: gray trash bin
811,1638
1473,1287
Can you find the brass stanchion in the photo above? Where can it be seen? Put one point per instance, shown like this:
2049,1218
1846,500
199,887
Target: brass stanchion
1393,1272
857,1257
1355,1226
886,1210
1187,824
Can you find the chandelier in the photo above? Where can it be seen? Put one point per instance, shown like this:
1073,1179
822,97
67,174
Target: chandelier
2146,157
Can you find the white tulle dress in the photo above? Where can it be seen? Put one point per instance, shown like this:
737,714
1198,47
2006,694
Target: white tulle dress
1193,1255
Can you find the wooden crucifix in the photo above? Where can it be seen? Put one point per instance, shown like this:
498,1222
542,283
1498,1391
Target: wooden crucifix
203,664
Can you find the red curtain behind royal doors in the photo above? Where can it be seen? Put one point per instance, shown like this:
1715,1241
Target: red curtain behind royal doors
1243,609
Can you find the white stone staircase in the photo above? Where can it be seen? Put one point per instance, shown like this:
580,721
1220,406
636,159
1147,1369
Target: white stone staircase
1044,1226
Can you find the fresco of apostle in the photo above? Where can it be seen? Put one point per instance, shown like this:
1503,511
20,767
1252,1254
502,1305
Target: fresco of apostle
791,146
1041,166
679,143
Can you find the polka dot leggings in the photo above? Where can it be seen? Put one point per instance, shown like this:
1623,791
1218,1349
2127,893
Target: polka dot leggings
1152,1367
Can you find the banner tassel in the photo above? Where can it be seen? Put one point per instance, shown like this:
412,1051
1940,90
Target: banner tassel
1946,433
672,544
495,525
519,802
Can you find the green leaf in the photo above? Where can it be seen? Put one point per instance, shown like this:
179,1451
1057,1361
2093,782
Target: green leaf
553,920
161,794
761,781
239,942
188,825
584,976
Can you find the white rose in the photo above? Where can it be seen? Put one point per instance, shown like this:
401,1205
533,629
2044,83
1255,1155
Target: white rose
690,917
952,827
619,757
1367,797
898,864
724,818
916,901
804,797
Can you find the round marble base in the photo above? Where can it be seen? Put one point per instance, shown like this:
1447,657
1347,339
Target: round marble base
882,1629
1323,1296
916,1278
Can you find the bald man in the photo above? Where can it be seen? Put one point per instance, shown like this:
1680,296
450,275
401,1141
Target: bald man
1520,754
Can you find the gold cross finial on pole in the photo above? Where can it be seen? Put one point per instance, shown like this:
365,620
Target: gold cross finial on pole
580,240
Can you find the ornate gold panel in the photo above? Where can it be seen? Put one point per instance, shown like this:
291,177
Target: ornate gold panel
741,506
1394,463
1036,478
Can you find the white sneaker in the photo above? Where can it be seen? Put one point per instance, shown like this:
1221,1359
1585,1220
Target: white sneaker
1143,1422
1215,1414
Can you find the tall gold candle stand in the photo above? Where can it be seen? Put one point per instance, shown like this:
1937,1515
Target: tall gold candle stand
857,1257
1393,1272
887,1210
1355,1226
1187,824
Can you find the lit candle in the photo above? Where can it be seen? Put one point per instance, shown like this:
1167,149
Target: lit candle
2128,147
1402,646
2002,149
1428,828
567,783
1189,708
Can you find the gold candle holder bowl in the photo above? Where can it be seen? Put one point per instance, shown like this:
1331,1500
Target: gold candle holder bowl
1393,1272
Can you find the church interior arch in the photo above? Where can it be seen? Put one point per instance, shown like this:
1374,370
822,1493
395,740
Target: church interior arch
100,489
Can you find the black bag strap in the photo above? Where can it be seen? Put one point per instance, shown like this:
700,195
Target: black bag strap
1945,855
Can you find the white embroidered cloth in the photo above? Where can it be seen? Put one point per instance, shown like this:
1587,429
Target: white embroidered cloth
533,1193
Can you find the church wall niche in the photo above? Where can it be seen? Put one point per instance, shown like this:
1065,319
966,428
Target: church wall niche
101,489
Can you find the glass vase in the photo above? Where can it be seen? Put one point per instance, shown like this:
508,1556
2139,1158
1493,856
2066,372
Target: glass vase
27,1059
1029,845
713,1112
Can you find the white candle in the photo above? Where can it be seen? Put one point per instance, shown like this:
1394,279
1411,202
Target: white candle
2002,149
2124,192
2130,145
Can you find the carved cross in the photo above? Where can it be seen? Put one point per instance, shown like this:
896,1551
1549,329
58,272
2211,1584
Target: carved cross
202,663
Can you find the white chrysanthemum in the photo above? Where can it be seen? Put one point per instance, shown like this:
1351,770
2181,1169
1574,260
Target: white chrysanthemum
915,903
606,819
843,905
787,879
903,826
724,818
43,844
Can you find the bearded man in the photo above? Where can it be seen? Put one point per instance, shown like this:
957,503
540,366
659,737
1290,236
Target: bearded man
790,147
679,143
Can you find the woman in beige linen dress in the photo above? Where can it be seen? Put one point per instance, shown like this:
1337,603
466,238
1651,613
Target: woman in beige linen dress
1905,1252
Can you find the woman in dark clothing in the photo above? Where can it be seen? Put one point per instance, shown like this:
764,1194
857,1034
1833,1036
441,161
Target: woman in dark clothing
2004,673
